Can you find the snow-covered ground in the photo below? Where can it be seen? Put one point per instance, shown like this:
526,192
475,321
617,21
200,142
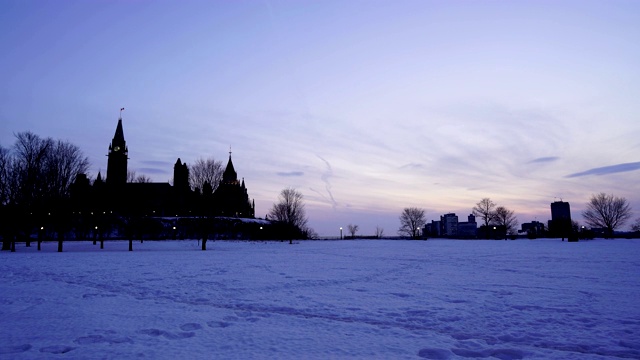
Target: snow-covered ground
436,299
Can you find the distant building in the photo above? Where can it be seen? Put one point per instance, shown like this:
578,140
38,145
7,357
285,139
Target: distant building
433,229
158,199
230,198
560,223
449,224
468,229
533,229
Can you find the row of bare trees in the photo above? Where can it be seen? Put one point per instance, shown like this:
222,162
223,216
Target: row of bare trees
493,215
36,170
36,175
602,211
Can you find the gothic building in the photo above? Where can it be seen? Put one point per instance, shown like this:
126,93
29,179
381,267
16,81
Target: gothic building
230,199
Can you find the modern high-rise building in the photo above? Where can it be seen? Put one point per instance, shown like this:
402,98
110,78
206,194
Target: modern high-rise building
449,224
560,223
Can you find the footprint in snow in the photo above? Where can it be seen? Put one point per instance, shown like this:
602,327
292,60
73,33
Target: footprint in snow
96,339
434,354
167,334
14,349
190,327
218,324
57,349
90,339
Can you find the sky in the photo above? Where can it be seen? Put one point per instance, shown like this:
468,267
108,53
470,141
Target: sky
365,107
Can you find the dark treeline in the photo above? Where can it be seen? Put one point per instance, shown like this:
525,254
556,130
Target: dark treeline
36,176
45,194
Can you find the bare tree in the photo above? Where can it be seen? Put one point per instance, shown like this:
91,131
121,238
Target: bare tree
64,162
5,172
636,225
411,220
143,179
379,232
353,229
484,210
30,167
131,176
290,210
505,217
6,185
607,211
206,171
37,179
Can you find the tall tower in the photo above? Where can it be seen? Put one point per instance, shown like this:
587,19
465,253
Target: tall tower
117,163
180,176
560,224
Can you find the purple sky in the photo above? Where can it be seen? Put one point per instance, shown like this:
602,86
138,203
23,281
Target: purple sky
366,107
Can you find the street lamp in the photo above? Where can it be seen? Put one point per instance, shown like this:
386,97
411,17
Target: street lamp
341,233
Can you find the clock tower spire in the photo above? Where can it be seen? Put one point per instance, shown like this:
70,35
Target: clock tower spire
118,156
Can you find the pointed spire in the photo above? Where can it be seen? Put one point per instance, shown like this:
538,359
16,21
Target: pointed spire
118,138
230,175
98,180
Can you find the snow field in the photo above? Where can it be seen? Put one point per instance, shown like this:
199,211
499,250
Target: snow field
435,299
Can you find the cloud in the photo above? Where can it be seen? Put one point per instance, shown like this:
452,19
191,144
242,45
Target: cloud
152,171
156,163
413,166
290,173
325,178
544,159
605,170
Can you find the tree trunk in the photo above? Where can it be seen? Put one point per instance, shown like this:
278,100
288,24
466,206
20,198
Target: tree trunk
39,247
28,242
204,244
101,243
13,246
130,245
59,245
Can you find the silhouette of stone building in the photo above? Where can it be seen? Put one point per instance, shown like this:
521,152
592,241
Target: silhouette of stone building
231,198
118,156
158,199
